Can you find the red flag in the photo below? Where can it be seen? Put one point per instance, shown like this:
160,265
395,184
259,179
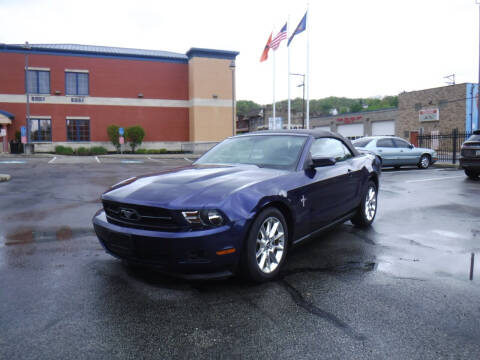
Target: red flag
265,51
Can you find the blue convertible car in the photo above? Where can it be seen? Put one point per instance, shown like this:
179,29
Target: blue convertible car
241,206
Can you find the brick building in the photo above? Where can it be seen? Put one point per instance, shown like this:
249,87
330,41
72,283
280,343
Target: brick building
76,91
437,111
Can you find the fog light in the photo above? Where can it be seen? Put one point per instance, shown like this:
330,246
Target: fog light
214,217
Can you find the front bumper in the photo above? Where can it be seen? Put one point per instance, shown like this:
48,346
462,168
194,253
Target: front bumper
191,254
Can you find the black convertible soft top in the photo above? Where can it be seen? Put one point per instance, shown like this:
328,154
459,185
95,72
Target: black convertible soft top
316,133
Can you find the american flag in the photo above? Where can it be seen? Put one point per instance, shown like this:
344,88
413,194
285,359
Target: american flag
282,35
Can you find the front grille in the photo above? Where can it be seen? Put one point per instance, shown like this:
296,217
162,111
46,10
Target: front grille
141,217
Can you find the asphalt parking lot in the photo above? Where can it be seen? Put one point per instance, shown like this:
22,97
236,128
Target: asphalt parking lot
405,289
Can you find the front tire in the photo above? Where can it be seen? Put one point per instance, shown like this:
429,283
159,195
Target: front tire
472,174
368,207
424,162
266,246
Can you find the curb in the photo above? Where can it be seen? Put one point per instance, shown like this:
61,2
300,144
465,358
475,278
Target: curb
445,165
4,177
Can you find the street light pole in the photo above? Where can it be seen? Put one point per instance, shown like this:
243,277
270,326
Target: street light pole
232,67
303,98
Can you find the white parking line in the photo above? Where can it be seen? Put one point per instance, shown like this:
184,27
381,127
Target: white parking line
150,158
433,179
188,159
51,161
98,160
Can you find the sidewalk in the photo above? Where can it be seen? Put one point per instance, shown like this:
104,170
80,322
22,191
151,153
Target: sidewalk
109,156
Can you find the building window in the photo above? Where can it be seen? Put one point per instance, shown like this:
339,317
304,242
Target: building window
76,83
38,82
40,130
78,130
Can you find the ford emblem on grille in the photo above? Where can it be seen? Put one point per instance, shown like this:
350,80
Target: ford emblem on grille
130,214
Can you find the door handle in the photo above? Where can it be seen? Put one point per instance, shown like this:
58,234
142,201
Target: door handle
380,150
350,172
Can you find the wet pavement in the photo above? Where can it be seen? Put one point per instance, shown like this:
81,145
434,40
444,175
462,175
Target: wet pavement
406,288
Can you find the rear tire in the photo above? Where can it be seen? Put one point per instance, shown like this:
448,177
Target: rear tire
368,207
472,174
424,162
266,246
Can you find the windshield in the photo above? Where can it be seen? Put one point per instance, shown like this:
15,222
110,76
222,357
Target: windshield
361,142
474,137
271,151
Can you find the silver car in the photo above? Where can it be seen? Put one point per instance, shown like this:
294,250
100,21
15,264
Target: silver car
394,151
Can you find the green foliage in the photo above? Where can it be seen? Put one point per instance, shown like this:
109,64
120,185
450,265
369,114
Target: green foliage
63,150
141,151
152,151
18,136
82,151
112,131
135,135
98,150
244,106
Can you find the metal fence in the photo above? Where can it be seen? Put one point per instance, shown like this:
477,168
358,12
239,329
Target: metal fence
447,146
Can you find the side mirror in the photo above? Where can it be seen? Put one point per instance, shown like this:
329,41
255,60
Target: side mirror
411,146
322,161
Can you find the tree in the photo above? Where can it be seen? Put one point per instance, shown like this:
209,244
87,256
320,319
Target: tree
112,131
244,106
135,135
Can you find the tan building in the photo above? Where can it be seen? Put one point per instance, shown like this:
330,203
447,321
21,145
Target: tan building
437,111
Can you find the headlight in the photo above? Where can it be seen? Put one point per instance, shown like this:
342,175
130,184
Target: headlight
206,217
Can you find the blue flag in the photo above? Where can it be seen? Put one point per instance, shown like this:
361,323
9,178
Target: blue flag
302,25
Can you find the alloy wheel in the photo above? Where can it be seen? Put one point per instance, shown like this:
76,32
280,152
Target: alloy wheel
370,203
270,244
425,161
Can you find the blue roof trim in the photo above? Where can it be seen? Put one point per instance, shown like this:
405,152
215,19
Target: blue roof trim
7,114
122,56
212,53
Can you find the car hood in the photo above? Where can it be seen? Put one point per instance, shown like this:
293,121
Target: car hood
189,187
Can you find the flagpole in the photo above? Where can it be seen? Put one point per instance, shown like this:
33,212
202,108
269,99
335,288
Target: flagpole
273,104
289,103
308,67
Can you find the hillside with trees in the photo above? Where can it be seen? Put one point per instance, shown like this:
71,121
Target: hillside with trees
324,107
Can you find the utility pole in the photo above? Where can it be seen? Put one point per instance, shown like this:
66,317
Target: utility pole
27,47
478,84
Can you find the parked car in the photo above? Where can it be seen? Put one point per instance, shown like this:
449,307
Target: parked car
470,156
394,151
241,206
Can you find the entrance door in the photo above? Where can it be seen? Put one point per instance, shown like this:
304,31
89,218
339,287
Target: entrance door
414,138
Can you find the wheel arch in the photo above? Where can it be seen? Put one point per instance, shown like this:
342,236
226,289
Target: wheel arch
286,212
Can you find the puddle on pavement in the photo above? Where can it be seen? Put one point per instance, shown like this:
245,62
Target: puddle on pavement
460,266
26,236
13,162
132,162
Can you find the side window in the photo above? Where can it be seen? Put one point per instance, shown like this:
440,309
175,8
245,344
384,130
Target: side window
401,143
385,143
329,147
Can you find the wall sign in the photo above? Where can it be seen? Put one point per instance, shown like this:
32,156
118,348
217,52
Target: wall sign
429,115
349,120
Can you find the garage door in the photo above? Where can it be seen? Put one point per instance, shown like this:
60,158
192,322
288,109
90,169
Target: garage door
350,130
383,127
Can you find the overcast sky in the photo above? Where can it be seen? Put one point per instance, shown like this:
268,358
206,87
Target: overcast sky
357,48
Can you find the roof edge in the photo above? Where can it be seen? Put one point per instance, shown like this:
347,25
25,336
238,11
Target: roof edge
212,53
